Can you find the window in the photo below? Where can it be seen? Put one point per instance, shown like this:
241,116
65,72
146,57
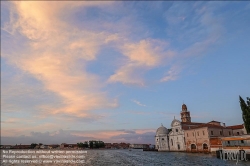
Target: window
228,142
229,133
198,133
242,141
172,142
176,130
238,133
205,147
220,132
162,139
212,132
193,146
203,132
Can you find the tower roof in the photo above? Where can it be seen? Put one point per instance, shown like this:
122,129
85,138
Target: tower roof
184,107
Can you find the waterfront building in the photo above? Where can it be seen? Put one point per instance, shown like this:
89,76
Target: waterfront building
44,147
177,140
21,147
186,135
121,145
139,146
238,129
176,137
161,139
108,145
206,137
65,145
5,146
53,146
236,142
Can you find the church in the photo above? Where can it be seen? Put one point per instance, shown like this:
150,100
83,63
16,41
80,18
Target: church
175,139
186,135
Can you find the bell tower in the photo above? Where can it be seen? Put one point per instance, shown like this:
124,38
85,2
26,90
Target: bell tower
185,114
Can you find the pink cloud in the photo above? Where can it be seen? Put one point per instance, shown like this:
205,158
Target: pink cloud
141,57
54,52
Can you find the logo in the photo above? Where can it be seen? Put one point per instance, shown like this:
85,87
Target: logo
233,155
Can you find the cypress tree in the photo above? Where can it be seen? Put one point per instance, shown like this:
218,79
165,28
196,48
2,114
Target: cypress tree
245,107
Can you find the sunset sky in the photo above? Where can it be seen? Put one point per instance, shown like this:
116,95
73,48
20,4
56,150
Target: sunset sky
115,70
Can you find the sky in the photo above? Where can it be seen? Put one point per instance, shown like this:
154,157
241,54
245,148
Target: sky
73,71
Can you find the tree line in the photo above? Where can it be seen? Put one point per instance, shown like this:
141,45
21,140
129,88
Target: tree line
91,144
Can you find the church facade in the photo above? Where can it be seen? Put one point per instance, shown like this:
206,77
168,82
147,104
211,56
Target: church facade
175,139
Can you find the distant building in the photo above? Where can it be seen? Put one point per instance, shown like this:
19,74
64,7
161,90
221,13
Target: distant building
53,146
139,146
151,146
206,137
175,139
121,145
21,147
241,142
6,146
108,145
37,147
64,145
238,129
186,135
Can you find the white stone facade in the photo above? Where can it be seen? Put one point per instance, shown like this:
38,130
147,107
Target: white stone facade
176,137
161,139
170,141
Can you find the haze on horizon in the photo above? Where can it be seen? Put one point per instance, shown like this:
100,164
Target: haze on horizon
73,71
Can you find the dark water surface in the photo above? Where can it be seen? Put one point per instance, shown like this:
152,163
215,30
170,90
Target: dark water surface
140,158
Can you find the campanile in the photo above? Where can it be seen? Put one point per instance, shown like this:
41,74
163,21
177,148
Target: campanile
185,114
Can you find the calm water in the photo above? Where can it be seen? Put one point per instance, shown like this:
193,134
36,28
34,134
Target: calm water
138,157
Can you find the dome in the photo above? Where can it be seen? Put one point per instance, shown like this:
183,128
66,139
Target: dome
175,122
162,130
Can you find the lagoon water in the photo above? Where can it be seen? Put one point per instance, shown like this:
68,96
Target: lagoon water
137,157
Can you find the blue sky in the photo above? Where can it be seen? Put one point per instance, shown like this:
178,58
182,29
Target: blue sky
114,71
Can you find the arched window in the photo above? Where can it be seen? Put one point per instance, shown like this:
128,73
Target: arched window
205,146
193,146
